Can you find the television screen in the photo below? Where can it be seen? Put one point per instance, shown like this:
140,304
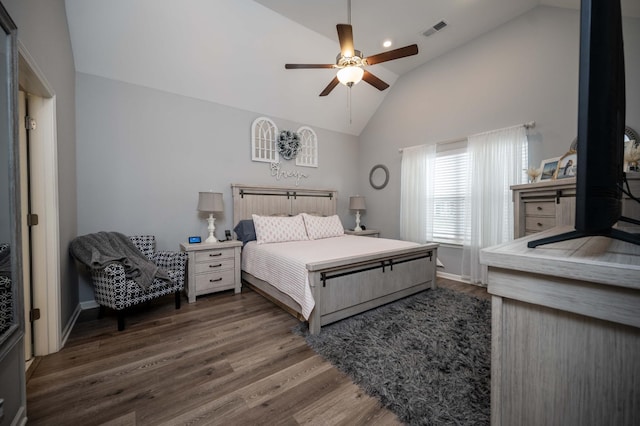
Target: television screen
601,125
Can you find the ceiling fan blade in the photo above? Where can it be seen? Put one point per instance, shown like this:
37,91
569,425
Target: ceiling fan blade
303,66
393,54
374,81
345,36
330,86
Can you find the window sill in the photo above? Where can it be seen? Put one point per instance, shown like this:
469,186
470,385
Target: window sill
449,245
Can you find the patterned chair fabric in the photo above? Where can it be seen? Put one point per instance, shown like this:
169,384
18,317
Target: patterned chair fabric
113,290
6,304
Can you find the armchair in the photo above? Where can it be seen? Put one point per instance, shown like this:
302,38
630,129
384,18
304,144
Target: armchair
113,290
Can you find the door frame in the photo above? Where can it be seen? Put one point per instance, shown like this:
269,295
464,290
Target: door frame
45,241
24,208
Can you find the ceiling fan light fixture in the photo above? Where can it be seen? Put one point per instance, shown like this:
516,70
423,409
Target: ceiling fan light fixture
350,75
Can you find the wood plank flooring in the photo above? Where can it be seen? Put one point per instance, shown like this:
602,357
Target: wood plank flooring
225,360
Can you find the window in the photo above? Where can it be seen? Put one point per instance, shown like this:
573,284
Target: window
450,192
450,196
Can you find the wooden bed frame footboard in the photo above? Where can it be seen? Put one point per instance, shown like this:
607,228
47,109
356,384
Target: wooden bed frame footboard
348,287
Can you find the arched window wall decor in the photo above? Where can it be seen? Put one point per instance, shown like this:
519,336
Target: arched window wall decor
308,153
264,139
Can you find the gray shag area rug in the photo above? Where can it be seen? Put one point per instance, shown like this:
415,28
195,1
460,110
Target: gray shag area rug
426,357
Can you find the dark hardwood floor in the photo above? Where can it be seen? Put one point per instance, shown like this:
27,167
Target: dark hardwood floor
226,359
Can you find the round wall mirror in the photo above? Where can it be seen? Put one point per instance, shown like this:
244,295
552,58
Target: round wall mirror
379,176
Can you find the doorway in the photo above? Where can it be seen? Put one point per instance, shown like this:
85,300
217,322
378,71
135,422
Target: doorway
41,241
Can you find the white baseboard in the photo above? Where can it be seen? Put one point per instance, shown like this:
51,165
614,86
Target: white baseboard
67,330
459,278
452,277
89,304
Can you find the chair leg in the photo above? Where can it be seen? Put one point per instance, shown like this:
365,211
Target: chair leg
178,299
121,320
100,312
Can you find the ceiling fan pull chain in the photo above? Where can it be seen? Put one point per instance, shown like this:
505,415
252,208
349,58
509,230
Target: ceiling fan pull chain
349,103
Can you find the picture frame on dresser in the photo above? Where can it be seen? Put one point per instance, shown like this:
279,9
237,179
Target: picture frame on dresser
567,165
548,168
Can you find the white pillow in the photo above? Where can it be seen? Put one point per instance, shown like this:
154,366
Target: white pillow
278,229
323,227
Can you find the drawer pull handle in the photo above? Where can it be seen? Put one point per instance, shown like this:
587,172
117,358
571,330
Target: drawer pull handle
215,254
539,208
217,279
215,266
539,224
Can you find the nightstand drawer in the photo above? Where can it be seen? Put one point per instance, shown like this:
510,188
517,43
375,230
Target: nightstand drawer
540,223
540,208
215,265
205,283
212,255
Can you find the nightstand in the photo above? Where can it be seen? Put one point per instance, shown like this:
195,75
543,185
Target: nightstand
365,233
212,267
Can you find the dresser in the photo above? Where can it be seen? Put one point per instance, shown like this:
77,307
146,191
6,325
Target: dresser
212,267
544,205
565,331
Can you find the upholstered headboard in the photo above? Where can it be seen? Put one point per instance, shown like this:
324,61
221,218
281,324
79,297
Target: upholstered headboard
274,200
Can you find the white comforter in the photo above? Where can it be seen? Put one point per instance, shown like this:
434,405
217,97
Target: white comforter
283,265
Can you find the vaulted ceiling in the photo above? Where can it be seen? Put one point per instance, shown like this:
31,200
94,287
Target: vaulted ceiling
233,52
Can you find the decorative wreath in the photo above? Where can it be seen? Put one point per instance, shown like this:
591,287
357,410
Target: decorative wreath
288,144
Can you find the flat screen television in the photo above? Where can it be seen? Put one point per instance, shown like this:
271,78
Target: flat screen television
601,125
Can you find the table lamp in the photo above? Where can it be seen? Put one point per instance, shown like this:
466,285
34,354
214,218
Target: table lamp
357,203
210,202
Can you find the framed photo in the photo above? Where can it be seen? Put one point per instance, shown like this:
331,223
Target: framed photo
548,168
567,165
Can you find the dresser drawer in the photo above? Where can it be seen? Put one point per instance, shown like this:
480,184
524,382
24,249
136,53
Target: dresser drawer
206,283
540,208
539,223
212,255
214,265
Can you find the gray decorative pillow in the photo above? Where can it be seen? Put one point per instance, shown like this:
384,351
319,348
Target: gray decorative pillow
246,231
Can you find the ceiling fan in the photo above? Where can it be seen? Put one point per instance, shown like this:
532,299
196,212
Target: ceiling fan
351,63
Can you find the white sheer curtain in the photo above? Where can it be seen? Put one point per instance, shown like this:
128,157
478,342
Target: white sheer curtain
495,163
417,178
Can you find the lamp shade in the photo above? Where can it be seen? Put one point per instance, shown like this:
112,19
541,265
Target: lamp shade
350,74
210,202
357,203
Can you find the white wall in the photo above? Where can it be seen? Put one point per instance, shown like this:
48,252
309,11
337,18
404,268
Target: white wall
524,70
143,156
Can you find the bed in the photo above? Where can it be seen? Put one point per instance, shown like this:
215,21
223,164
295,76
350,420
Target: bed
339,286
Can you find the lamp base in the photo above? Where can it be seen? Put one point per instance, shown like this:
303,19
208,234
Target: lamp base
357,228
212,227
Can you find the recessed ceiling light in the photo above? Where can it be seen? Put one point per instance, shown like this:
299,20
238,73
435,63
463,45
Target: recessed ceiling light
386,43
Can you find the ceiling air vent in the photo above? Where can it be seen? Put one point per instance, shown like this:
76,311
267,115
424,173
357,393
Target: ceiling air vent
437,27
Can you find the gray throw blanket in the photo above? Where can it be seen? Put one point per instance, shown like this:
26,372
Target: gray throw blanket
98,250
